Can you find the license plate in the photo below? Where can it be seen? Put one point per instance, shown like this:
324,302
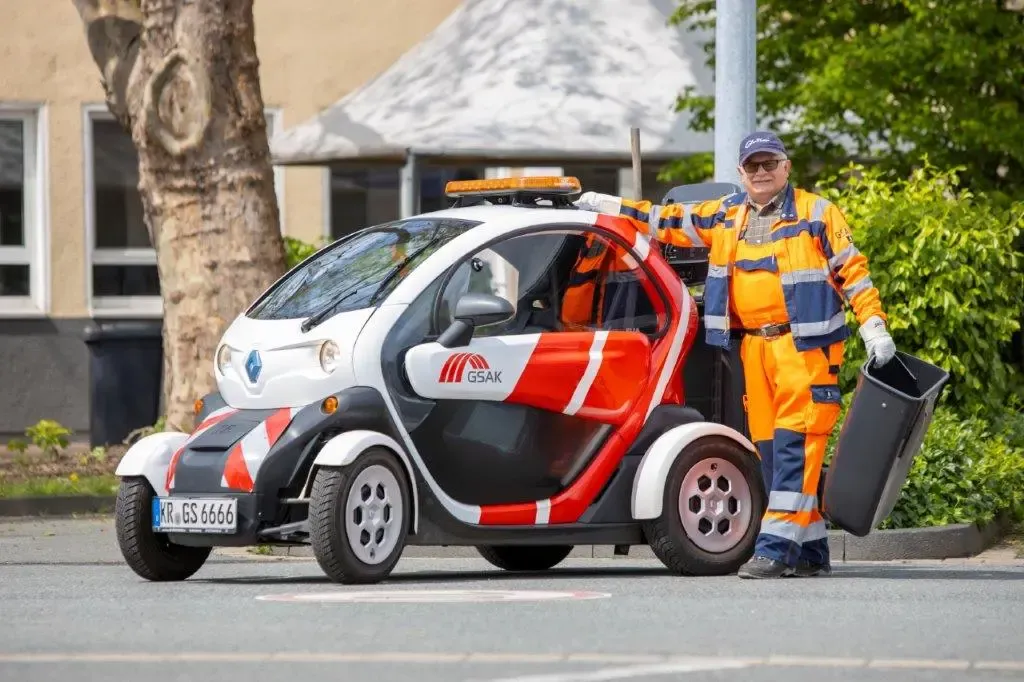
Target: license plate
195,515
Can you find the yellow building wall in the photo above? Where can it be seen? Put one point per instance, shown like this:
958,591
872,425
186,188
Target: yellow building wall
312,53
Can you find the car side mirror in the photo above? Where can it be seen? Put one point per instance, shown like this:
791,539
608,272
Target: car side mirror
474,310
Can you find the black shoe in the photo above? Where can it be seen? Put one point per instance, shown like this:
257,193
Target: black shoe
763,567
807,569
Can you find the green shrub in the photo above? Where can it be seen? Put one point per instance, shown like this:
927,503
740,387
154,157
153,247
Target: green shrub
969,470
296,251
950,280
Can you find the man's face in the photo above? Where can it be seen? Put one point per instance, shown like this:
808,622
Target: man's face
764,175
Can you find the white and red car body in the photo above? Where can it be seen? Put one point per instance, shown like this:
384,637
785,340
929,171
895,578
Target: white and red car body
276,434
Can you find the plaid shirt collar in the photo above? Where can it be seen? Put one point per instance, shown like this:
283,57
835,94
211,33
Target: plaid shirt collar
774,204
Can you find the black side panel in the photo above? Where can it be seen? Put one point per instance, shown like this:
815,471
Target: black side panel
613,504
287,465
663,418
497,453
438,527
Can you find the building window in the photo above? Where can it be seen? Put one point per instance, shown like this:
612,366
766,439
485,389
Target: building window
361,197
22,226
123,277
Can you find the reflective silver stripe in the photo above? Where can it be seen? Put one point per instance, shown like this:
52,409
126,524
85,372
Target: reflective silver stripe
783,529
718,271
686,223
836,261
779,500
820,328
652,219
794,532
818,210
860,286
716,322
816,531
807,275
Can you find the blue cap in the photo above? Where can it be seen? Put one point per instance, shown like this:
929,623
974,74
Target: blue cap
761,141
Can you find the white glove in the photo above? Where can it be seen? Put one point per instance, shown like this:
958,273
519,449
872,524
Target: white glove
877,341
600,203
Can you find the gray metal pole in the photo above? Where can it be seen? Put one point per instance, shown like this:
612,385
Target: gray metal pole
735,82
409,187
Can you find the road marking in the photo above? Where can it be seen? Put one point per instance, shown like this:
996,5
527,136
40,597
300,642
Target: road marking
631,671
816,661
433,596
920,664
644,664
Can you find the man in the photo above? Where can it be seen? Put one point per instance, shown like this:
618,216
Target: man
782,264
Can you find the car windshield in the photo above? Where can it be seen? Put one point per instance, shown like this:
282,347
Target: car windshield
350,272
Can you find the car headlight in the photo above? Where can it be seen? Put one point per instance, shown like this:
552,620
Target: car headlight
224,358
329,356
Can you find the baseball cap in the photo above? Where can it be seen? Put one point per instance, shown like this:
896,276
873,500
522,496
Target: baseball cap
761,141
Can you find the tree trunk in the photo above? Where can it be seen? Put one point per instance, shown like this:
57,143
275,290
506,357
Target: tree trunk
183,77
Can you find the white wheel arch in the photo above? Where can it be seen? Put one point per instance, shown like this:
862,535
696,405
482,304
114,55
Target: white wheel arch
150,456
652,473
343,449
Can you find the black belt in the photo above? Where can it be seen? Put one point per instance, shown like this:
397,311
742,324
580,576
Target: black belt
768,331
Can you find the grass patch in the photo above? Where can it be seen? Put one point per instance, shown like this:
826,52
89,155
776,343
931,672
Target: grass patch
72,485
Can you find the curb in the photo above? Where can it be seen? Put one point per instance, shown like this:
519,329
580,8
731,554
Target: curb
56,506
954,541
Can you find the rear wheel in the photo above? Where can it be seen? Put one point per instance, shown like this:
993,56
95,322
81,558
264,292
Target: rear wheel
525,557
358,517
150,554
711,510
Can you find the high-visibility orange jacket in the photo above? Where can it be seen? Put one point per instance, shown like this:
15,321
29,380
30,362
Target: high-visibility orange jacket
819,267
585,292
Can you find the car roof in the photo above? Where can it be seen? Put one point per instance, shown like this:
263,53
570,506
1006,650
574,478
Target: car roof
514,215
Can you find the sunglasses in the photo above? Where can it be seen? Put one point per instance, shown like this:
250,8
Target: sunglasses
769,165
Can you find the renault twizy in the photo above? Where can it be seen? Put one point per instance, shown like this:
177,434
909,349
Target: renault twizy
508,373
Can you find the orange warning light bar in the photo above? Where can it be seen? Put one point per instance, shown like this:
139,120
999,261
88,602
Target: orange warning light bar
548,184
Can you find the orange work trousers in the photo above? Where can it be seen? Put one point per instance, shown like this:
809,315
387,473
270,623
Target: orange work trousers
792,402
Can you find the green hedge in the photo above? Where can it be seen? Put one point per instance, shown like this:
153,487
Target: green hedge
950,278
949,270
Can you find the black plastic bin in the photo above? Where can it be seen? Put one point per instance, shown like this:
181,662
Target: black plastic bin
883,431
125,372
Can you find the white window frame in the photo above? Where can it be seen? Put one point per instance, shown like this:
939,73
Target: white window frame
35,251
135,306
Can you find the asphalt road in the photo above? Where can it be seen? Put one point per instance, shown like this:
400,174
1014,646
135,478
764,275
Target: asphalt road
70,610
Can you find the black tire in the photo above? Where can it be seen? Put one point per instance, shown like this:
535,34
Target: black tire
327,528
150,554
666,534
525,557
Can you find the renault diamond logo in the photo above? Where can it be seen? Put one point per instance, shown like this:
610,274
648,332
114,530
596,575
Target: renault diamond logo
253,366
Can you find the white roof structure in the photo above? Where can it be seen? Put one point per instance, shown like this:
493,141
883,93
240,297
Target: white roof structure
521,81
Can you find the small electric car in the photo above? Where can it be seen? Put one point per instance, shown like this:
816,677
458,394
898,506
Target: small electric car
507,374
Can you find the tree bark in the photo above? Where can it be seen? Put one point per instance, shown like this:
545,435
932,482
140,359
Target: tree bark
183,77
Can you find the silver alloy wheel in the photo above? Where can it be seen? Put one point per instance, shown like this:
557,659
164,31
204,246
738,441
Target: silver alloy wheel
373,514
715,504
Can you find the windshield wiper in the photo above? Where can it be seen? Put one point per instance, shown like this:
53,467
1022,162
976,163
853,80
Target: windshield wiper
319,316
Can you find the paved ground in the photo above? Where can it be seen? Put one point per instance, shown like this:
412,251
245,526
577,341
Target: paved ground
70,610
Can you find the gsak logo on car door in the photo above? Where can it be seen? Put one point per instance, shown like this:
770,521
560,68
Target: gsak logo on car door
471,368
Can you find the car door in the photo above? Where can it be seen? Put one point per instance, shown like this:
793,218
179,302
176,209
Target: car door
520,408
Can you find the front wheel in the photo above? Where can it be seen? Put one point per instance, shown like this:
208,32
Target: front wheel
358,517
524,557
713,502
150,554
